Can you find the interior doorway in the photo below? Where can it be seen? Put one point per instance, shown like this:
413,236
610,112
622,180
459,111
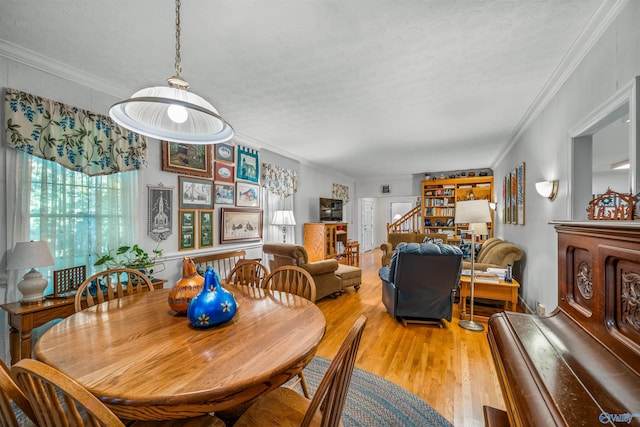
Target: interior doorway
366,232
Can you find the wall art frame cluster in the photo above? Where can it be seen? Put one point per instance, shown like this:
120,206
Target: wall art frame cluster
513,196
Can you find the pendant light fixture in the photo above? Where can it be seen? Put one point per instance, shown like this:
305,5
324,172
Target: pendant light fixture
172,113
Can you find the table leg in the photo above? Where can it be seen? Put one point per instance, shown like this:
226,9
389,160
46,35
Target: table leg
25,346
15,344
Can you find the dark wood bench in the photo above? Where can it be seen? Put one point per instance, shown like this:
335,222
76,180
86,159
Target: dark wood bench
581,364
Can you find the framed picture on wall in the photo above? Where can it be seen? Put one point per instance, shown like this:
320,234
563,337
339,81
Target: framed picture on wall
224,152
240,225
187,238
520,199
187,159
205,228
223,172
247,195
247,166
159,215
195,193
225,194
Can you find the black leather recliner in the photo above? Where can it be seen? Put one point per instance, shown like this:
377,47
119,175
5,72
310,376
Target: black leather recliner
420,283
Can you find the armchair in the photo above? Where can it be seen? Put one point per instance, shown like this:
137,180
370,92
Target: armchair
421,281
323,272
495,253
394,239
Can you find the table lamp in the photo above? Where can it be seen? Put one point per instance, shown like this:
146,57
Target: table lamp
477,214
283,219
31,255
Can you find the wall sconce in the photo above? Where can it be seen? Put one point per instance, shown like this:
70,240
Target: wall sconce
548,189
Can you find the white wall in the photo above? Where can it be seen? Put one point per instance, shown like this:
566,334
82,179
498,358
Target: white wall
544,146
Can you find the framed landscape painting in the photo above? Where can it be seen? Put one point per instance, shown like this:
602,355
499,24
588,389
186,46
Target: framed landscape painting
240,225
224,152
247,195
223,172
195,193
225,194
187,159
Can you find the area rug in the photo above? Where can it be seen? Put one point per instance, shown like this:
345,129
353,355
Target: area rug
373,401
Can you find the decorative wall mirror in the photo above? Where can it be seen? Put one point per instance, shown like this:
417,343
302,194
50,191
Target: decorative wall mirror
598,144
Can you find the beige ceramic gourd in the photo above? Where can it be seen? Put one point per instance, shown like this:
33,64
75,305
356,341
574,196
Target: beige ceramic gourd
186,288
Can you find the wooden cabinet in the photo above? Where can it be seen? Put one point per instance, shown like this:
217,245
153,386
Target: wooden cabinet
439,198
324,240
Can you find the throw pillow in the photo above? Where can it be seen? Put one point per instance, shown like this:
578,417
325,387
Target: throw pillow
432,240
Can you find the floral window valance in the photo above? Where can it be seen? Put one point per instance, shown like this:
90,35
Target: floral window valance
341,192
77,139
280,181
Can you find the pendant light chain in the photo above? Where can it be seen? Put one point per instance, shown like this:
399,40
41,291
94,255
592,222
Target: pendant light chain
178,64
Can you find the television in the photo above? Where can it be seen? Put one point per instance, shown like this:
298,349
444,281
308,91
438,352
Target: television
330,210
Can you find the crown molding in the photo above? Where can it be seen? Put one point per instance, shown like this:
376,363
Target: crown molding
601,20
48,65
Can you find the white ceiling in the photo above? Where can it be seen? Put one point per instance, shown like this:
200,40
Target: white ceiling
369,88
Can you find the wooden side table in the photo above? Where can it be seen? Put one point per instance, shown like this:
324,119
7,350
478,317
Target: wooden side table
23,318
501,291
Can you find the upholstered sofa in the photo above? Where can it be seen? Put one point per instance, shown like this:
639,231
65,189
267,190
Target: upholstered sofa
495,253
395,238
323,272
421,281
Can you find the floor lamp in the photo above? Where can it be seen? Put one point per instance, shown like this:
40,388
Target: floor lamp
476,213
283,219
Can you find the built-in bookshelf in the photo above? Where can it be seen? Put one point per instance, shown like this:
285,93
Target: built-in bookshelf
439,198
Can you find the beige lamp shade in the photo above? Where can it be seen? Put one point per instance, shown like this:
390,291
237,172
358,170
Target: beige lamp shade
479,228
31,255
472,211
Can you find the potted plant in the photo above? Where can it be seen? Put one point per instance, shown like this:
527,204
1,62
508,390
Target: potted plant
131,257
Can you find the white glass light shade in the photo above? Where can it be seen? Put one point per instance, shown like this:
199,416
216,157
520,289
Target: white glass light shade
283,218
147,113
548,189
31,255
472,211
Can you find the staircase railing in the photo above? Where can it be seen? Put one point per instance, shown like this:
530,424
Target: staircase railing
408,223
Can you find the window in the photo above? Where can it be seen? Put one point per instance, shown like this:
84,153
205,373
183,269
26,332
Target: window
80,215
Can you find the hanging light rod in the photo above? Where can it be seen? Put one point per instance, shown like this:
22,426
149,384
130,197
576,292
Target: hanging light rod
171,112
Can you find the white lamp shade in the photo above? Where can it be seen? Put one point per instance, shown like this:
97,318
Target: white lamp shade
30,255
472,211
479,228
283,218
148,112
548,189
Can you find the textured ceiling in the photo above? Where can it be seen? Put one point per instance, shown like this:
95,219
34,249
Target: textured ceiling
369,88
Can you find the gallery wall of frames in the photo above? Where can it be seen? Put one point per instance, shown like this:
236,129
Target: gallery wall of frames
225,176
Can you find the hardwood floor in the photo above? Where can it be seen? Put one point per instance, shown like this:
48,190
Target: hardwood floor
450,368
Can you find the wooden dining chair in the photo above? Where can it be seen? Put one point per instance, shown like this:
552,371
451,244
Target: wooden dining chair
109,285
284,406
10,392
58,400
248,272
294,280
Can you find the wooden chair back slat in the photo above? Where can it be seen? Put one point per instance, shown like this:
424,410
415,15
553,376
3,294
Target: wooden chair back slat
222,262
332,391
10,392
292,279
42,384
135,282
249,273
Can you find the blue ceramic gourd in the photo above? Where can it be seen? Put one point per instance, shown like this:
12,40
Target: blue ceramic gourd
213,305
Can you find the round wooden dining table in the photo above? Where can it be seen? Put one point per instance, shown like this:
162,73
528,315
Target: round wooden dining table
145,362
